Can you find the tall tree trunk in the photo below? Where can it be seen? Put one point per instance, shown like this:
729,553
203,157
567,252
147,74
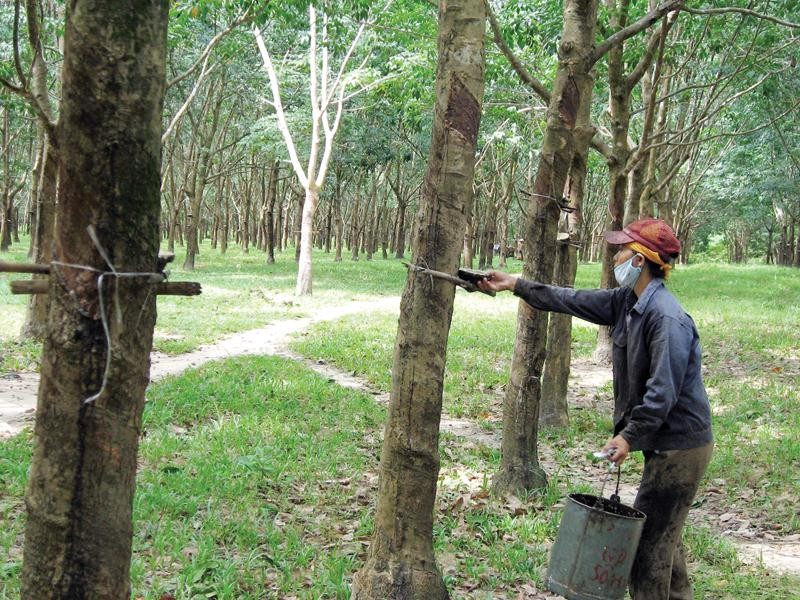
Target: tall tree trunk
226,225
385,233
7,200
505,202
555,377
519,468
272,194
401,562
400,239
354,224
196,189
304,282
469,235
621,86
489,232
81,484
46,187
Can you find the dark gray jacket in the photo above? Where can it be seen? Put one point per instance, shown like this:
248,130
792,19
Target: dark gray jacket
660,402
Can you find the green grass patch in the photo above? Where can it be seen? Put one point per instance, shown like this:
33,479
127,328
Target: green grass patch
478,353
258,477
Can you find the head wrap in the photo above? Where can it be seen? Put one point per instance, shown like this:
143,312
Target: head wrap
650,255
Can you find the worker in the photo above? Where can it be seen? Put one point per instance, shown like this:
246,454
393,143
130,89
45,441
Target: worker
660,403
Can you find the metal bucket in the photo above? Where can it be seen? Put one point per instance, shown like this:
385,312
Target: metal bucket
593,553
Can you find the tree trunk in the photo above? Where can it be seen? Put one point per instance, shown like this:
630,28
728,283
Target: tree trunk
385,233
81,484
400,240
226,225
197,186
519,468
272,194
354,224
304,279
489,233
469,235
555,379
401,563
42,237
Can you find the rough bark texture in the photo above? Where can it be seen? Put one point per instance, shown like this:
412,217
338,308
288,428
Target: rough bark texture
559,335
272,192
80,490
44,203
401,562
519,468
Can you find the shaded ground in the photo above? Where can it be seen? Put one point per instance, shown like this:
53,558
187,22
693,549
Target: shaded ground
748,530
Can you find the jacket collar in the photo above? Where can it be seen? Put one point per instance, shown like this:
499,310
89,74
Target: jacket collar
652,287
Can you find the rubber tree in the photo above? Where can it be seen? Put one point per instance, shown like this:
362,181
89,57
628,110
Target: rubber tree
401,562
327,91
91,396
567,129
572,88
621,85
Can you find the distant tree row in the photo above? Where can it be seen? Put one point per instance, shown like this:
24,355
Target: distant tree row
695,120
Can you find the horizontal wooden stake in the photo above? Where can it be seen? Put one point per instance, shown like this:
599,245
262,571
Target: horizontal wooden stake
11,267
178,288
467,285
165,288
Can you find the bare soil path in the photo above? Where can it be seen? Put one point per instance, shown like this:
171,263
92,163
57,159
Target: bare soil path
754,543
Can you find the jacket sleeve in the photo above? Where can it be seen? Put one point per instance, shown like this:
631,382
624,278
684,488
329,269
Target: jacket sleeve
670,343
596,306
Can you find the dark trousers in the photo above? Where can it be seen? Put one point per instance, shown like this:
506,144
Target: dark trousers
669,484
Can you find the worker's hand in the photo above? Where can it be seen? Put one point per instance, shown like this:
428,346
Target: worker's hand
497,281
617,449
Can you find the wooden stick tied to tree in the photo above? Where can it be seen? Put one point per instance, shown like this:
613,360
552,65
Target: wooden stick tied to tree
467,285
163,288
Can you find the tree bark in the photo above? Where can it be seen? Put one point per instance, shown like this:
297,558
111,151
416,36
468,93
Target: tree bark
304,277
272,192
81,484
401,562
555,379
42,237
519,468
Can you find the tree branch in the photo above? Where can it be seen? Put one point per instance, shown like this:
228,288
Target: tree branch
634,28
656,40
17,62
520,69
743,11
178,115
246,17
279,111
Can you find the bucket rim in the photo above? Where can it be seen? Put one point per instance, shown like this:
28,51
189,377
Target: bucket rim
633,514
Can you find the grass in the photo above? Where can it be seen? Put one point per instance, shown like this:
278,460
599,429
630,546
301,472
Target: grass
258,477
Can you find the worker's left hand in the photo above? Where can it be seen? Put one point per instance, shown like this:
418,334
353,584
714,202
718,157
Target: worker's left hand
617,449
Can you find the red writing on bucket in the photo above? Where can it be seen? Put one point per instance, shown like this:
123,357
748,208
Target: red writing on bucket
604,576
614,556
604,571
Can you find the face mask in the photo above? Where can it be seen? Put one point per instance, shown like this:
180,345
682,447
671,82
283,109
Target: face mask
626,274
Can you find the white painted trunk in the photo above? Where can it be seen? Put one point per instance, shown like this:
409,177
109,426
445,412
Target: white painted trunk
304,279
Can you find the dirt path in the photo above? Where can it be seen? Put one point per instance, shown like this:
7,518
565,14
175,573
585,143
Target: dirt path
18,401
18,391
